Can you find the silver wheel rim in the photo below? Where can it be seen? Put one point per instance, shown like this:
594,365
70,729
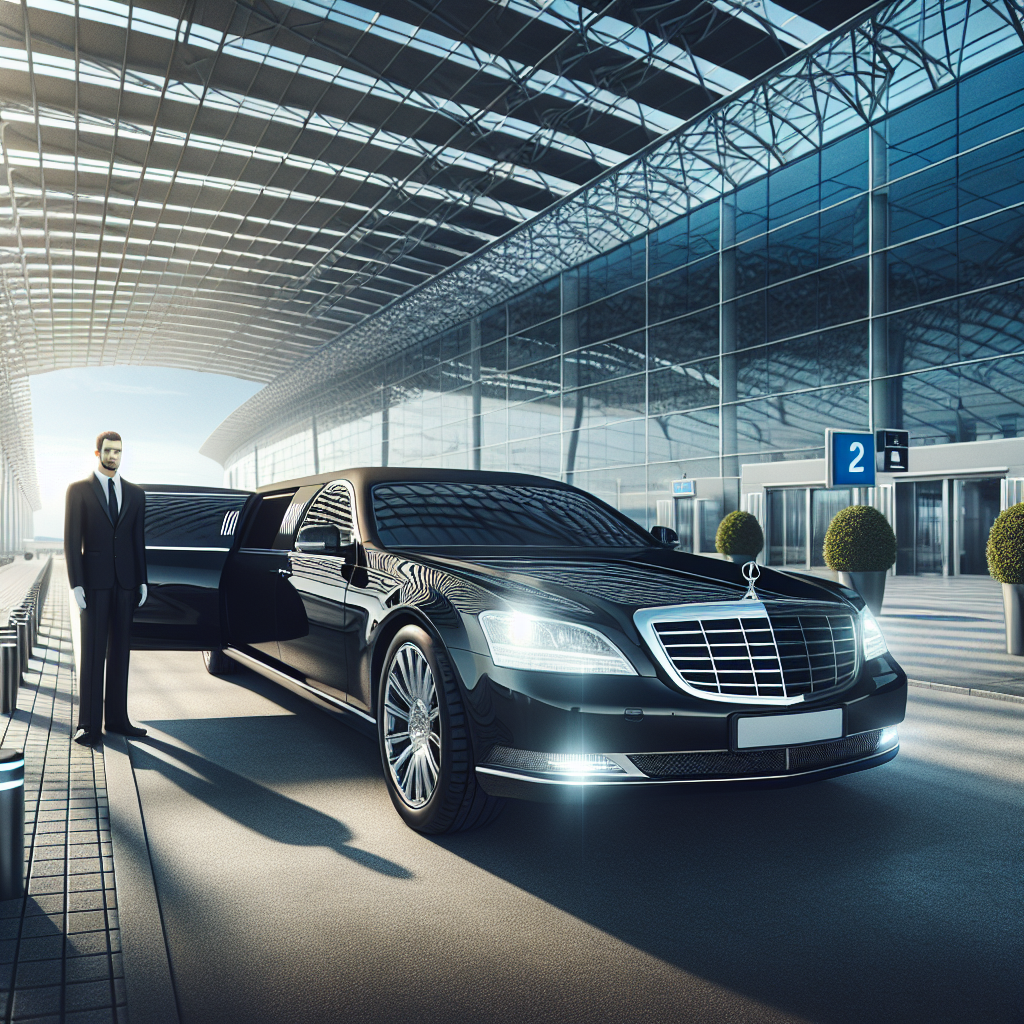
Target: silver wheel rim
412,726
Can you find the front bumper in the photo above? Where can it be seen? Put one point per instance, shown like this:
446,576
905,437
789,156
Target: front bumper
769,768
640,723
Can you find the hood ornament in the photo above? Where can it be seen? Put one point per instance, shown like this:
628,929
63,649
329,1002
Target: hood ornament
750,573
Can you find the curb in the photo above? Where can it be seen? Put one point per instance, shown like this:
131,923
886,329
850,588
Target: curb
149,983
969,691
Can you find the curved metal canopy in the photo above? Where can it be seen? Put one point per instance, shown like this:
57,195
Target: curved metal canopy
881,59
228,185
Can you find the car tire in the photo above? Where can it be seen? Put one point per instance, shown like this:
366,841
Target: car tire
428,764
217,662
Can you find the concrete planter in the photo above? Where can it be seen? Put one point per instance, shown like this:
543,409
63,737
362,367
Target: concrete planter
743,559
870,586
1013,616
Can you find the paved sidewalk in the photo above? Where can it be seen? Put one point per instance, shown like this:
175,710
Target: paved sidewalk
60,958
949,632
16,580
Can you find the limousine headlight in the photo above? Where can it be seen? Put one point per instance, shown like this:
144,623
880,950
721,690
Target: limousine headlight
516,640
874,642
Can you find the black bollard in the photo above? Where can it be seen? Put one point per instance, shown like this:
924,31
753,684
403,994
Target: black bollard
10,669
12,824
19,619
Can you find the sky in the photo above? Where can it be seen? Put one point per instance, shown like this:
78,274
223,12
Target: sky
162,415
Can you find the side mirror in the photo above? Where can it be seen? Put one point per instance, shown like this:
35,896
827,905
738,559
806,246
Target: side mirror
663,535
323,540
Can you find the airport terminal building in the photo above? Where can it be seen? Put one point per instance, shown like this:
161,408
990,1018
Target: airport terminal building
851,255
837,250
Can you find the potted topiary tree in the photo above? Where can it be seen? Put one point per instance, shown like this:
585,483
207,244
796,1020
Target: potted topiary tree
739,536
861,547
1005,551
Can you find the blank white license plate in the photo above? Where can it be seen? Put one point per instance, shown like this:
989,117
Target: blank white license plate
784,730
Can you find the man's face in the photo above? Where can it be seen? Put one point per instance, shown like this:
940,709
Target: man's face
110,454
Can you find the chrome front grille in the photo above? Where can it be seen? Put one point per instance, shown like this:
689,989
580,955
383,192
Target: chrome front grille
817,651
745,651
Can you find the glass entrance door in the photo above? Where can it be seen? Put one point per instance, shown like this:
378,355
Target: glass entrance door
979,506
919,527
787,526
684,522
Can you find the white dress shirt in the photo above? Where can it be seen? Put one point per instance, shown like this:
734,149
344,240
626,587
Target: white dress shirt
106,486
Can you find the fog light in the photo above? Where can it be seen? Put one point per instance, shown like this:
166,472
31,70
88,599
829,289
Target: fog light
553,764
889,738
581,764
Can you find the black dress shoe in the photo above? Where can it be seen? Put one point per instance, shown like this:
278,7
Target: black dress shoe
127,730
84,737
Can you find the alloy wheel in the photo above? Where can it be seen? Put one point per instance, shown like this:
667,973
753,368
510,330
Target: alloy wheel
412,726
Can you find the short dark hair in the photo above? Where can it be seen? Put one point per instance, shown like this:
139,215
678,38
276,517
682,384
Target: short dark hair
107,435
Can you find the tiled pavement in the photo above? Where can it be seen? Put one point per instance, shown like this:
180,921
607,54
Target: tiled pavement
15,580
949,632
60,958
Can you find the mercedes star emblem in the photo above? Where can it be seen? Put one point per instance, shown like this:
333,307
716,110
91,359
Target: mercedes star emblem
750,573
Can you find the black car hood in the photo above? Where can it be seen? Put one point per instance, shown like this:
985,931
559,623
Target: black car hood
606,584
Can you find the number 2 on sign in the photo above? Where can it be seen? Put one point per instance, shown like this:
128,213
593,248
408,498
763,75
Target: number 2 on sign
855,466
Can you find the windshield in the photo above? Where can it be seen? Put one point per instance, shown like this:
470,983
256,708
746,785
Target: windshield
435,513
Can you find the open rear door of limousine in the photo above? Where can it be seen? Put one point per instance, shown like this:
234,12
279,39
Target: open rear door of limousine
190,533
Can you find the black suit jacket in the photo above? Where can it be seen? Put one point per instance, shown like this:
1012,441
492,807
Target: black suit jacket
101,554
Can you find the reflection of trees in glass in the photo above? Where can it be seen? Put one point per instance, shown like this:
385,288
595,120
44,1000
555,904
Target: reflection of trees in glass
815,360
610,359
613,400
690,435
684,387
975,326
691,338
538,304
965,403
619,314
798,420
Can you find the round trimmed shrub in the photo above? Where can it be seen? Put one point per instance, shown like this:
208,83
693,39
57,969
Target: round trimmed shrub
859,539
1005,548
739,533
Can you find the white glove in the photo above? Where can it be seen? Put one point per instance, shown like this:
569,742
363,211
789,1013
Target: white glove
143,593
79,593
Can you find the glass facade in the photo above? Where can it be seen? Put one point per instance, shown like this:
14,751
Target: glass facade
878,281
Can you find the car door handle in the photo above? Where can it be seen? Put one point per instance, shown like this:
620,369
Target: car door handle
284,572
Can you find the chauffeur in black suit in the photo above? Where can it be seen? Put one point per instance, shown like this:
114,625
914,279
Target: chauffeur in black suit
105,548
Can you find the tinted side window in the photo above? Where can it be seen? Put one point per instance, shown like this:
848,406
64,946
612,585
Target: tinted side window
191,520
333,507
265,526
425,513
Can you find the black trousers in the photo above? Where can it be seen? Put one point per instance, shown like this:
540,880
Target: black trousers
106,628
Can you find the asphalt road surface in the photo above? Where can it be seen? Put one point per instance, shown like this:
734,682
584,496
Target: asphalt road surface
291,890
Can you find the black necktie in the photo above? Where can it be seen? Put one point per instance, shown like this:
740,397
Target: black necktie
112,499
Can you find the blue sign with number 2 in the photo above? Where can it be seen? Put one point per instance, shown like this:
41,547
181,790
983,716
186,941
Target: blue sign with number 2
853,460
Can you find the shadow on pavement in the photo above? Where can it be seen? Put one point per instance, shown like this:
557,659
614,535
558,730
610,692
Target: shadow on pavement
889,895
850,900
252,805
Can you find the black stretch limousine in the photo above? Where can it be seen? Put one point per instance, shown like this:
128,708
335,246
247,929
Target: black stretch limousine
507,635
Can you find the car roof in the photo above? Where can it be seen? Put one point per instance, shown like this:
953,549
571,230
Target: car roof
191,489
366,476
